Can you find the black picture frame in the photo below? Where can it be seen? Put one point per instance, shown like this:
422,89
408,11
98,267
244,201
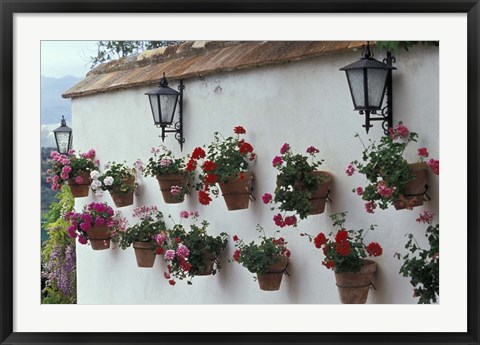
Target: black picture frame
9,7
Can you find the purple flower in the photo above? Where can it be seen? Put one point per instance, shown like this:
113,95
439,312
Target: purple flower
184,214
99,221
86,217
312,150
82,239
85,226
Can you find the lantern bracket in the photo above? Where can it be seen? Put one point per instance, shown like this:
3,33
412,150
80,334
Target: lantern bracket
386,113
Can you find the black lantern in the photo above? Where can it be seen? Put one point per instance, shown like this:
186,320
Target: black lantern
369,80
163,101
63,137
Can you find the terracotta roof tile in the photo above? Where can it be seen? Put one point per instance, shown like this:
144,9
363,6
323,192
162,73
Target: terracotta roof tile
198,58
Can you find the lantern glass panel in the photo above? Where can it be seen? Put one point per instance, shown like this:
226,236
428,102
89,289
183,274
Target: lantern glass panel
376,79
155,108
355,80
168,103
63,141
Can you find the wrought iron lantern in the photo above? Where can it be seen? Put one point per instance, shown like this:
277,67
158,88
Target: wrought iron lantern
63,137
369,81
163,102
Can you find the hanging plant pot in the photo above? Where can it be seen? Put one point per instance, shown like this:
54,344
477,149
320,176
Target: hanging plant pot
271,280
166,182
353,287
144,254
209,262
415,189
236,191
80,190
319,197
99,236
121,199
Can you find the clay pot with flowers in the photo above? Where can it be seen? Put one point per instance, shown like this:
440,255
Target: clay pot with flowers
345,253
224,167
268,259
97,223
143,235
301,187
171,174
421,265
74,170
119,180
192,252
391,179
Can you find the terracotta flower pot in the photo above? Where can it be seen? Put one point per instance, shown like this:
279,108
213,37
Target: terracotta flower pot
414,190
144,254
353,287
209,262
236,191
121,199
166,182
271,280
99,236
80,190
319,197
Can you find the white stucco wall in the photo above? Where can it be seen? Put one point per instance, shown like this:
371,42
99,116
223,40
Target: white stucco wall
303,103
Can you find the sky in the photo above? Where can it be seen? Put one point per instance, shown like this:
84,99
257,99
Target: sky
63,58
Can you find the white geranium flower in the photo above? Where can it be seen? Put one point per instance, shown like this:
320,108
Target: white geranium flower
95,184
94,174
108,181
99,192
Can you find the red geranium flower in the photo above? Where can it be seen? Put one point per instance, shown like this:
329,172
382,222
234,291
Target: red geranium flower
328,264
374,249
320,240
185,265
159,250
422,152
235,238
171,282
267,197
191,165
245,148
278,219
290,220
239,130
341,236
236,255
312,150
434,164
343,248
210,179
198,153
209,166
204,198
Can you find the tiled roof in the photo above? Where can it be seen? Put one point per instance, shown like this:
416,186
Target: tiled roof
199,58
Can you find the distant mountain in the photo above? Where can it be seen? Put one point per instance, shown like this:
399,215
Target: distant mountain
52,105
